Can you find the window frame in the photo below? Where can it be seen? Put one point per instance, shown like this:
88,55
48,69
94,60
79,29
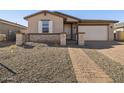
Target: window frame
45,26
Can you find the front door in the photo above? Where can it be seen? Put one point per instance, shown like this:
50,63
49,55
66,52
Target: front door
67,28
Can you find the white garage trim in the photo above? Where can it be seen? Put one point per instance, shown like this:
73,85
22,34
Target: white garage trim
95,32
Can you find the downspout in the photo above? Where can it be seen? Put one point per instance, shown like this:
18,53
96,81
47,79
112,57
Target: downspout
64,24
108,31
77,33
71,31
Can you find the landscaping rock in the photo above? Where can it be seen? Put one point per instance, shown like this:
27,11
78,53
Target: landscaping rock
38,64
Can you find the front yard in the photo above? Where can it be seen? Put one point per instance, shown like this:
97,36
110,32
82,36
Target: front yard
37,64
96,62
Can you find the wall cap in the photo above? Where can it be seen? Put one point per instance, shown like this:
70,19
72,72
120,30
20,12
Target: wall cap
43,33
63,33
81,32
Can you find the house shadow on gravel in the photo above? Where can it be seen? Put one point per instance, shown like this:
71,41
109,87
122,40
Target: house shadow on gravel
101,44
88,44
91,45
6,44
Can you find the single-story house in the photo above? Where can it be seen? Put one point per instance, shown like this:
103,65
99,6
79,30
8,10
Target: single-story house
9,29
45,26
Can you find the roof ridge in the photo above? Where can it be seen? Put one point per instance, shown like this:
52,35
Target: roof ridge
42,12
67,15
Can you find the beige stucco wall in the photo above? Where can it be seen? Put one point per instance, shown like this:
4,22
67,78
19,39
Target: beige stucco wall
33,22
111,32
71,20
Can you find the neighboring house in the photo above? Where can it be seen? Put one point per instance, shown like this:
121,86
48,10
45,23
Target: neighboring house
119,27
52,23
10,28
119,31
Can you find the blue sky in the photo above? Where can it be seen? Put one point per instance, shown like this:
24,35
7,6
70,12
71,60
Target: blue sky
17,15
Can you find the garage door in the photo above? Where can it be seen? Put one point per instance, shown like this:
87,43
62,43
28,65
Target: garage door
94,32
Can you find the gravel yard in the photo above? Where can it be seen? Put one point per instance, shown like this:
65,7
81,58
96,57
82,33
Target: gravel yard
4,73
40,63
114,69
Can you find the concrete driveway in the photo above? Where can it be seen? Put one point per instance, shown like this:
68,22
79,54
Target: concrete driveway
116,53
109,56
113,49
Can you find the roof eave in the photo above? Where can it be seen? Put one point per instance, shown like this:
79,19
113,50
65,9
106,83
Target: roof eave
12,23
96,21
59,14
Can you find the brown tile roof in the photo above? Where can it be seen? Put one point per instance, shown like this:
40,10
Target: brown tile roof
66,15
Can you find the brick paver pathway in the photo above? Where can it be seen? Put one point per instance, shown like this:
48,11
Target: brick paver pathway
87,70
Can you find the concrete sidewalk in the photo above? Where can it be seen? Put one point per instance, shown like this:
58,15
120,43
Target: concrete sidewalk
86,70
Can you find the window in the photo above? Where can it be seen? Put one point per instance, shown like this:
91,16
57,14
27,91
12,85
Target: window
45,26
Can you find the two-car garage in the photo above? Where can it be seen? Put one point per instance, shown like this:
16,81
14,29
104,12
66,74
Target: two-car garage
94,32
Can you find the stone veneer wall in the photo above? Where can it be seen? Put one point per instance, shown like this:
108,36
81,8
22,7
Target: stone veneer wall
19,39
63,39
22,38
45,38
81,40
